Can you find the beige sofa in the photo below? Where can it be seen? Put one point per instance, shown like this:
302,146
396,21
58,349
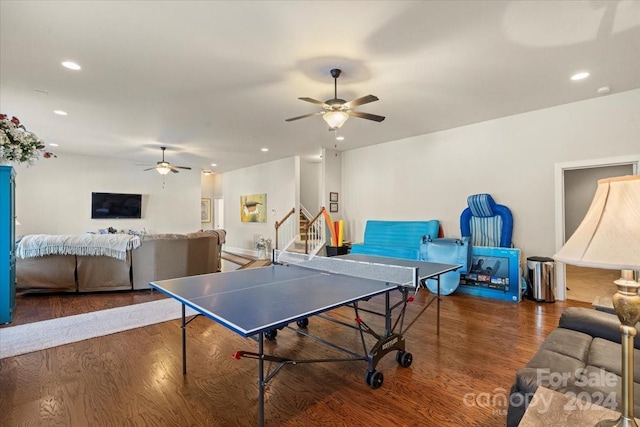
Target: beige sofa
160,256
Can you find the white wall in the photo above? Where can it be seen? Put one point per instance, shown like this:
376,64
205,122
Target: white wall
332,179
211,188
54,196
580,187
310,185
278,179
512,158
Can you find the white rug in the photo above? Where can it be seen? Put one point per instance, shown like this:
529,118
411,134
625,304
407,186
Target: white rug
37,336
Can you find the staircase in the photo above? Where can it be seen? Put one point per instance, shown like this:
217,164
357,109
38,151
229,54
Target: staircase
310,237
304,221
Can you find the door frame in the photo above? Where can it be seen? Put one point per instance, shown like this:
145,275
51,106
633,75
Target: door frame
633,160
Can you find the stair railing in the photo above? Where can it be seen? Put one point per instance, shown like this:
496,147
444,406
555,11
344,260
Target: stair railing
286,230
315,237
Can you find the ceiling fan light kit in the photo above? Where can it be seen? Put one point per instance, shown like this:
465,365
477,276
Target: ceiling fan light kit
164,167
336,110
335,119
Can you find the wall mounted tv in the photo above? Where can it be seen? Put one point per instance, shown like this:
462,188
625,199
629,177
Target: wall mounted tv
116,206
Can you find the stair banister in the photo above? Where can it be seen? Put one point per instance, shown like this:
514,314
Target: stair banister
282,221
308,226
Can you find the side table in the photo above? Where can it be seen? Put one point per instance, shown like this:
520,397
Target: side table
551,408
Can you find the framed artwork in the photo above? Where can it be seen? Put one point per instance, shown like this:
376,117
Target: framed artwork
333,197
205,210
253,208
333,207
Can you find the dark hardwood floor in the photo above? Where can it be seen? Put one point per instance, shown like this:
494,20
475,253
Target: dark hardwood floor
36,307
134,378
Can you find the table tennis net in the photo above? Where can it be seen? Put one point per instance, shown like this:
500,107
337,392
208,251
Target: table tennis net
399,275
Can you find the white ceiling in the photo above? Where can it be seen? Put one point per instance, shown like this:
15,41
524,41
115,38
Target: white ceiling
214,81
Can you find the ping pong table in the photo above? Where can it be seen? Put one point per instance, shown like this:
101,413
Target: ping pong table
256,303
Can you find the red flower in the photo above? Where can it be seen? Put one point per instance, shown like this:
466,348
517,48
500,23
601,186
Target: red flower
15,121
3,116
48,154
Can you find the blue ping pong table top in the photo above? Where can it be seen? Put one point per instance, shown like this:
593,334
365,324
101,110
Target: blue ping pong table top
259,299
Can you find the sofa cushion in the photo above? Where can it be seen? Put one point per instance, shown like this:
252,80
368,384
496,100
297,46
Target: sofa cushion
567,343
608,355
595,323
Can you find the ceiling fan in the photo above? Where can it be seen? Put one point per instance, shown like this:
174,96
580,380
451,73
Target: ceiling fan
164,167
336,110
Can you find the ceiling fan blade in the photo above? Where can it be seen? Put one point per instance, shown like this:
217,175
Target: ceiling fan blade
148,169
302,117
173,169
366,116
182,167
314,101
360,101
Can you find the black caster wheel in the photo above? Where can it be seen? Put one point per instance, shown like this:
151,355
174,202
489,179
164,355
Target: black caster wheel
271,334
302,323
404,358
374,379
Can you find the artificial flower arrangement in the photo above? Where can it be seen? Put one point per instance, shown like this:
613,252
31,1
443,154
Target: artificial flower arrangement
19,145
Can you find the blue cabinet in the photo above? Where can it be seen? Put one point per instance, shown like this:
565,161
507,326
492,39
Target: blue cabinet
7,243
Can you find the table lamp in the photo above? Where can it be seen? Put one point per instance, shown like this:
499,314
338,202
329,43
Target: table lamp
609,237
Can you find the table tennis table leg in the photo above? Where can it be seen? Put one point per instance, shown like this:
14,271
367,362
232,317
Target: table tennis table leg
387,317
184,342
261,379
438,304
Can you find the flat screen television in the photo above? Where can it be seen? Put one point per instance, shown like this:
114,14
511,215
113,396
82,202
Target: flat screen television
116,206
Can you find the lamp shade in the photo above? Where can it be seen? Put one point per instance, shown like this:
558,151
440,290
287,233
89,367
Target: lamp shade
609,235
335,119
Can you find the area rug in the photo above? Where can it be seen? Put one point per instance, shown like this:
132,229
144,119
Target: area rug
38,336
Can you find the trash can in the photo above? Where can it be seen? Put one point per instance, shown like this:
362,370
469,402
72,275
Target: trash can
542,278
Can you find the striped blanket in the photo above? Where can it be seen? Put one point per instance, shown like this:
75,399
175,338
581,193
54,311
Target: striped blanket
111,245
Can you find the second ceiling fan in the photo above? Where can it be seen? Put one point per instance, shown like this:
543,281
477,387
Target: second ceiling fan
336,111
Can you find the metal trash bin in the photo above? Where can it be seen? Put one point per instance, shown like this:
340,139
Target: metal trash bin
542,278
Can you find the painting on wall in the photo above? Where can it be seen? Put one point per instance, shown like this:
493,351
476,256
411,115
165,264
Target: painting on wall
205,210
253,208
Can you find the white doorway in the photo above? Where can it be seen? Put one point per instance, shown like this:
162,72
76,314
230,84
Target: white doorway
575,184
218,214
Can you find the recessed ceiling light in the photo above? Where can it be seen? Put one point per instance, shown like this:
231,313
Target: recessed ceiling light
340,138
71,65
53,144
264,149
60,112
580,76
214,164
207,172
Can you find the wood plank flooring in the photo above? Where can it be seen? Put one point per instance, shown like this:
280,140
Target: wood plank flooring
586,284
134,378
